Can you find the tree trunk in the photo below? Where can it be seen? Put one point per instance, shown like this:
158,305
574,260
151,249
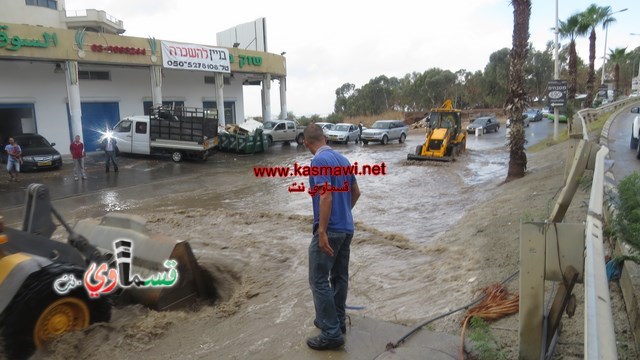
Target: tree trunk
573,71
592,73
517,98
616,76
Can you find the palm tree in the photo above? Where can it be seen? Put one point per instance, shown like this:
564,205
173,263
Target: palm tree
617,56
591,18
517,98
572,28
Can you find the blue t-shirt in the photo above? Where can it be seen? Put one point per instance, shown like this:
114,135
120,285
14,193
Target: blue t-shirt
340,219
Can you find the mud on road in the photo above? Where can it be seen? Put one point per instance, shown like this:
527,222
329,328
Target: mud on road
427,239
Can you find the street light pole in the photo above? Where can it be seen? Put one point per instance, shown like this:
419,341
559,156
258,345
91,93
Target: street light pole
556,76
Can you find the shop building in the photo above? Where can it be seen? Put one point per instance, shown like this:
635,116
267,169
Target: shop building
66,73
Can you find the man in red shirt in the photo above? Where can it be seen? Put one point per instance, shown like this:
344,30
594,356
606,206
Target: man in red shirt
77,154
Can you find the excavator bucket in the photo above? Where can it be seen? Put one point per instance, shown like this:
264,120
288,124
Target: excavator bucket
144,257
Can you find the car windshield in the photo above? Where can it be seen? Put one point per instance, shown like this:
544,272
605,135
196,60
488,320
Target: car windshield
341,128
269,125
380,125
328,126
480,121
531,112
32,142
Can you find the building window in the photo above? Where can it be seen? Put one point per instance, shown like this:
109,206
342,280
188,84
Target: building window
93,75
147,105
51,4
212,80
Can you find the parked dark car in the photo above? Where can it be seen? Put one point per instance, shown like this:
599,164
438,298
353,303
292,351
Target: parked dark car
37,153
486,123
534,115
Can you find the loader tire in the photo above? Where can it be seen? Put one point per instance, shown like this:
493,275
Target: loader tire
419,150
24,323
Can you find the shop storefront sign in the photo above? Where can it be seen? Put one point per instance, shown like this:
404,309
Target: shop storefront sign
195,57
15,42
247,60
127,50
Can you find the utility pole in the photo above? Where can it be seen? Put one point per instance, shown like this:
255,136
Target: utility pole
556,76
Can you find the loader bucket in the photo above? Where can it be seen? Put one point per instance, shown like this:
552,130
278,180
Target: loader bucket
429,158
148,253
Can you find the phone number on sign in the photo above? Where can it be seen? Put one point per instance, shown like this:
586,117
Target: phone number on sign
196,65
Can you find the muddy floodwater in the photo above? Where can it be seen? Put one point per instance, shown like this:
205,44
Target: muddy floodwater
252,233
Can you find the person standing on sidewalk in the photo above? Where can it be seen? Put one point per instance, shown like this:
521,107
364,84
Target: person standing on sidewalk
110,147
331,242
78,155
14,159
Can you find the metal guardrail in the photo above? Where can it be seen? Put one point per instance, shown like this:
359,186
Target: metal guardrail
599,333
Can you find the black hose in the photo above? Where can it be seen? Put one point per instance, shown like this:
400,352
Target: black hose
414,330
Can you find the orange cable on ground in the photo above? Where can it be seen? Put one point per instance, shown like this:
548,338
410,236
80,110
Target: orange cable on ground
494,306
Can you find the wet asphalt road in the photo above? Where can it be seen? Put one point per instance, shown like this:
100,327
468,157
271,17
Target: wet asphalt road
389,202
624,158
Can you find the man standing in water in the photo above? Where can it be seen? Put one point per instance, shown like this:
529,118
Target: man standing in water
330,245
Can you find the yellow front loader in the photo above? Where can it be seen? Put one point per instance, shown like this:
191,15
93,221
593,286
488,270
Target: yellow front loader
48,287
445,138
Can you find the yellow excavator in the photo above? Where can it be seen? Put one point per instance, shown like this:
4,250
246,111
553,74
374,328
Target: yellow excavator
445,138
49,287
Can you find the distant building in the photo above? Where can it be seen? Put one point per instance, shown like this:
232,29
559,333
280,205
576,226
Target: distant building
73,72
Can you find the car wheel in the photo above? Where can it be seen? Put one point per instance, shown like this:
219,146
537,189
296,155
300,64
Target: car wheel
402,138
269,140
638,151
300,139
385,140
484,130
176,156
365,142
634,141
497,128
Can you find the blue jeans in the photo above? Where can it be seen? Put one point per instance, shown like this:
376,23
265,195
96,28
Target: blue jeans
329,280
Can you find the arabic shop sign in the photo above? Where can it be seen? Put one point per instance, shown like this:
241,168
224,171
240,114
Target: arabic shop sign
127,50
195,57
103,279
246,60
15,42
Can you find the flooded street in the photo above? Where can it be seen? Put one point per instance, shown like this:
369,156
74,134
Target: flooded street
251,234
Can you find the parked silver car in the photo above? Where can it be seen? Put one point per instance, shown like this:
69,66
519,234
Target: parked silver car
343,133
384,131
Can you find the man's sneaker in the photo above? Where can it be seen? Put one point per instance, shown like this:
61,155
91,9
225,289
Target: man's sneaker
84,178
75,178
320,343
343,328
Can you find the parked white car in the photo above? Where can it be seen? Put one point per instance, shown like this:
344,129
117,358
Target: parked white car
384,131
343,133
635,132
325,126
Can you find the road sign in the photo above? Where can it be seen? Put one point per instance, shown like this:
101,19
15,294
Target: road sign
557,92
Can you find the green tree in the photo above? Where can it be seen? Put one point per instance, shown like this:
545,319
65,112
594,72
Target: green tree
517,98
495,82
593,16
617,56
571,29
538,71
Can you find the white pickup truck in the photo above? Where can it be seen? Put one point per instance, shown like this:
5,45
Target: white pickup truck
284,131
635,131
181,132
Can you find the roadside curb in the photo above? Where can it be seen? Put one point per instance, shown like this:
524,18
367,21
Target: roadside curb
630,276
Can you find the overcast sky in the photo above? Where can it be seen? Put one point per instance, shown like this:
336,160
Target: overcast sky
332,42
